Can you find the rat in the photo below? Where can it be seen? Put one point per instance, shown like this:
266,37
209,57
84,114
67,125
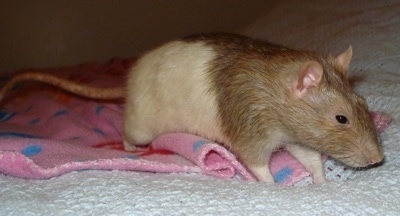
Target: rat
252,96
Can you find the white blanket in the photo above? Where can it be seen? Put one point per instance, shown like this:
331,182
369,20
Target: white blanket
372,28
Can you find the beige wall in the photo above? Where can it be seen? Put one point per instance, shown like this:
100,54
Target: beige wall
49,33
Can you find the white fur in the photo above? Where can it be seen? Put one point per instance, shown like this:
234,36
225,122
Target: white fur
170,91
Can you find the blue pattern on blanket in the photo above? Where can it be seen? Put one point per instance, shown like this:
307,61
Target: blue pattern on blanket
283,174
17,135
5,115
31,150
198,144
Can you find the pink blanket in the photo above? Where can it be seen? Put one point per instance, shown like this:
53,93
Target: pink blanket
46,132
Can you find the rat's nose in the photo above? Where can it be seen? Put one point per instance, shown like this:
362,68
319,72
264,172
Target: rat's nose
375,160
374,156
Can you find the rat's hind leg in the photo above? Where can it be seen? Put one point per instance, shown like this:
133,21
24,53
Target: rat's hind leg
133,138
136,134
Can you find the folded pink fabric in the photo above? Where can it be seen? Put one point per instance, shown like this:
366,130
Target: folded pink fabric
45,132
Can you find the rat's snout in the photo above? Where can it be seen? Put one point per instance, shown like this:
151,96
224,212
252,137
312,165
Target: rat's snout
374,159
363,153
370,154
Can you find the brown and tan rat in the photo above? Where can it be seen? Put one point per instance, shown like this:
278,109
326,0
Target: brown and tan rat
250,95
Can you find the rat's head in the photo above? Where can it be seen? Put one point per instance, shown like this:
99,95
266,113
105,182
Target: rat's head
329,116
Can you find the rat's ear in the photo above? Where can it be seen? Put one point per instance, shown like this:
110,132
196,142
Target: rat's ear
310,75
344,59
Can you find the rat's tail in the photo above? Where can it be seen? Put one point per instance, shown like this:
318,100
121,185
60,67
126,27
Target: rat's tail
73,87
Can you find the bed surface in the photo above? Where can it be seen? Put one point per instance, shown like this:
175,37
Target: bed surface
371,27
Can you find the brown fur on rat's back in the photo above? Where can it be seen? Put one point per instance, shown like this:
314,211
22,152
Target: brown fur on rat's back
253,79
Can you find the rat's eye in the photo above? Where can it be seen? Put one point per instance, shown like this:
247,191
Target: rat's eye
342,119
